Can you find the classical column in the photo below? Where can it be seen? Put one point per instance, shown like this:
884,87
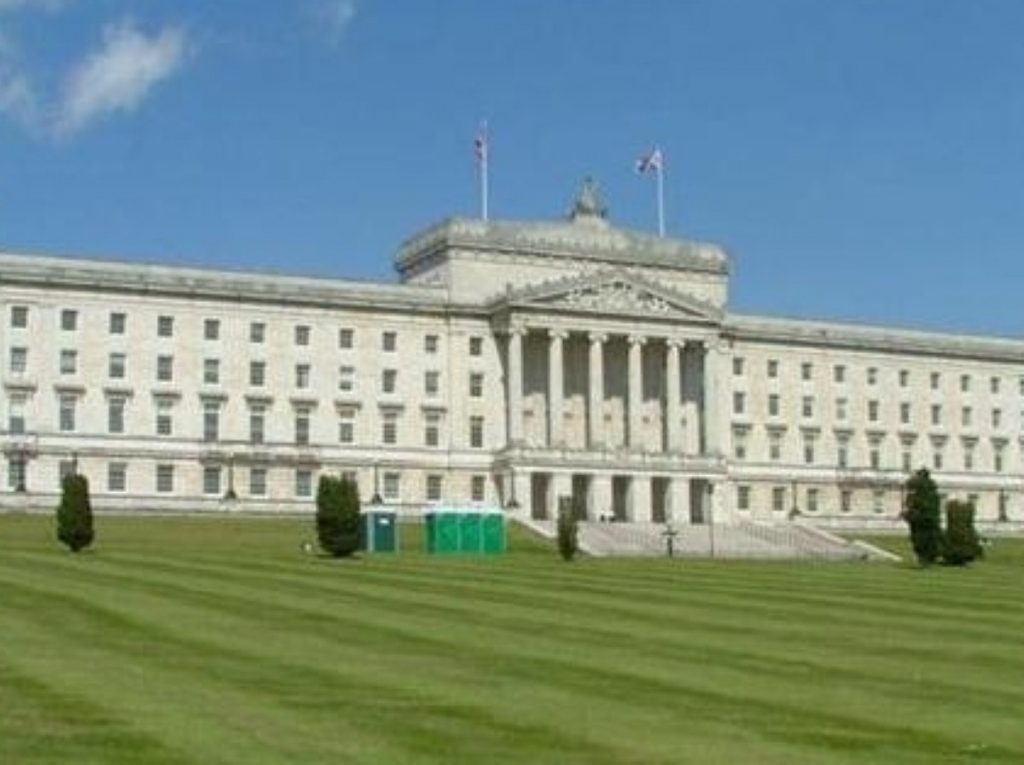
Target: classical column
556,372
640,499
515,385
636,390
712,398
673,436
596,390
691,411
559,486
599,497
678,500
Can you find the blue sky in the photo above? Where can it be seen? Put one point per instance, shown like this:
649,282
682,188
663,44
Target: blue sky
860,160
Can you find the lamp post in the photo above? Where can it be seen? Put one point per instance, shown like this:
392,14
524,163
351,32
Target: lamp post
230,495
670,535
794,511
513,503
1003,517
376,499
711,519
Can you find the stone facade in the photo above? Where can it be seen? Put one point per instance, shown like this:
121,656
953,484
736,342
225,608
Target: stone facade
514,363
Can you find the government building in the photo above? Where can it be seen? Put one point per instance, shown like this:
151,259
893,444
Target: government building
513,363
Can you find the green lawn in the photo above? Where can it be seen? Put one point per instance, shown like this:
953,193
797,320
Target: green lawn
217,641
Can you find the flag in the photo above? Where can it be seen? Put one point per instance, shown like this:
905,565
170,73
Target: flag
650,163
480,144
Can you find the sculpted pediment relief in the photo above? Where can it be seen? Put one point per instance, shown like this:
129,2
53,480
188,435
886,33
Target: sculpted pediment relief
619,293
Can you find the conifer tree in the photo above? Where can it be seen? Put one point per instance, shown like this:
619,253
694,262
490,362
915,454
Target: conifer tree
74,513
337,516
921,513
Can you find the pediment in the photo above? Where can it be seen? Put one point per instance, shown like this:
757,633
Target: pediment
614,292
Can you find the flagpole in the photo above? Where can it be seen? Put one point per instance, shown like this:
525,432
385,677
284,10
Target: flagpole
661,192
484,160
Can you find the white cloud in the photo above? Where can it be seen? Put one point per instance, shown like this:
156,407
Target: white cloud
118,75
333,17
42,5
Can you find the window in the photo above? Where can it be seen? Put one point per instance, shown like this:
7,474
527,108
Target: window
302,426
807,406
19,316
966,416
257,423
476,384
67,414
211,329
737,366
118,321
117,476
211,479
997,459
432,429
430,343
778,499
389,341
878,501
68,362
303,483
906,459
738,402
258,482
806,370
875,454
16,415
808,451
16,472
935,378
936,414
164,368
997,419
257,332
435,484
775,446
839,373
69,320
812,500
392,486
476,346
19,360
965,383
389,428
211,371
257,373
116,366
904,378
937,459
873,410
65,468
211,421
164,479
905,413
164,417
115,415
994,385
302,334
478,488
346,378
742,497
773,368
302,376
165,326
968,457
841,407
389,378
872,375
845,501
345,338
773,404
843,453
347,426
431,380
739,444
476,432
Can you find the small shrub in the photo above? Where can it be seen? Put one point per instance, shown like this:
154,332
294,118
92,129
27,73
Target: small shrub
922,515
568,534
337,516
74,513
960,544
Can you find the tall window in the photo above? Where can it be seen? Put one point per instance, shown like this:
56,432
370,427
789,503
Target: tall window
873,410
68,362
430,343
905,413
773,405
773,368
302,375
116,366
211,480
69,320
257,423
347,426
845,501
19,316
936,414
164,479
165,326
904,378
476,346
392,486
476,384
808,406
935,380
739,402
812,500
389,379
345,338
839,373
117,476
389,428
432,429
742,497
476,432
67,413
778,499
211,329
302,333
872,375
211,371
965,383
258,482
431,382
346,378
303,483
478,488
211,421
164,417
19,360
302,426
806,370
435,487
841,408
737,366
115,415
257,332
257,373
774,446
389,341
118,321
164,368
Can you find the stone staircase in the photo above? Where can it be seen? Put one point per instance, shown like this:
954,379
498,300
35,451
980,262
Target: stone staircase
744,539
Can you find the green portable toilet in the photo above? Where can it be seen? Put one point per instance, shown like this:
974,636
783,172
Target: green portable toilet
378,531
469,532
492,526
442,531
